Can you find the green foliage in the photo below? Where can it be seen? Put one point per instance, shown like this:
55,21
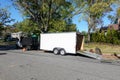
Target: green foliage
93,37
97,9
1,29
4,16
84,33
57,26
102,37
118,12
27,26
70,27
112,19
49,15
111,36
108,36
93,11
98,37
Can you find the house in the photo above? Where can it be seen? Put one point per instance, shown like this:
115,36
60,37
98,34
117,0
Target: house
111,27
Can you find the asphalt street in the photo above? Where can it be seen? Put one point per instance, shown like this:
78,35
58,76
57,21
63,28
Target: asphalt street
39,65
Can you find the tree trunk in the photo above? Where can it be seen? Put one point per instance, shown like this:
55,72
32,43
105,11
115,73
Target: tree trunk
89,35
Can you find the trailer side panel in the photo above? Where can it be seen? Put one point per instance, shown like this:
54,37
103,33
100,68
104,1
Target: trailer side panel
60,40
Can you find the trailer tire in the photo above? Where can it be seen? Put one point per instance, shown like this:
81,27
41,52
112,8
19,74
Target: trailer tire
62,52
55,51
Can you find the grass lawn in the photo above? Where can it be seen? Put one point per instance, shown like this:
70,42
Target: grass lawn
105,48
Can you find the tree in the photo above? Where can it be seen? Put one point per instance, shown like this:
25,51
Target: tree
47,14
1,28
70,26
4,18
114,18
93,11
118,12
26,26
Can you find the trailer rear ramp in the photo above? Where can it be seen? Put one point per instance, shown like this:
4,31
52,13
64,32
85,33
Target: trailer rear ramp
90,54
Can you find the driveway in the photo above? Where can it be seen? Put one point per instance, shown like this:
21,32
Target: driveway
39,65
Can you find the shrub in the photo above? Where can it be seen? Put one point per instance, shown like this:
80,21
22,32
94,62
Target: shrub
112,37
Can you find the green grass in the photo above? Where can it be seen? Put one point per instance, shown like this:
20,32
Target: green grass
105,48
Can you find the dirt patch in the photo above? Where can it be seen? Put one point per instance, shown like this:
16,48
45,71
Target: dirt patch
109,56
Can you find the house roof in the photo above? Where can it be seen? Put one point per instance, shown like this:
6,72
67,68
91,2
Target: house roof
113,26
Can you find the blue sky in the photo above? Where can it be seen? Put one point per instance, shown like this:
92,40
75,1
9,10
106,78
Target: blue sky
15,14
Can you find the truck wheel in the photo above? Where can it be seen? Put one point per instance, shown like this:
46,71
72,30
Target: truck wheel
62,52
55,51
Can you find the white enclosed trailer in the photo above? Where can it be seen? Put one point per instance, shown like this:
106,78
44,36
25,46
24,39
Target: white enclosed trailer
61,43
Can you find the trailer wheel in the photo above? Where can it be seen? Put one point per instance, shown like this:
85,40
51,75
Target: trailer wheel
55,51
62,52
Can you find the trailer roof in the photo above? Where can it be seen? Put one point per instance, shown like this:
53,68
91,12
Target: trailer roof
58,32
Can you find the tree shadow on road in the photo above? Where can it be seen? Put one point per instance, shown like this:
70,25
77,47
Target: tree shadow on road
7,47
3,53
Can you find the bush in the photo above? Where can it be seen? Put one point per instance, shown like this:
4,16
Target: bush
111,36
